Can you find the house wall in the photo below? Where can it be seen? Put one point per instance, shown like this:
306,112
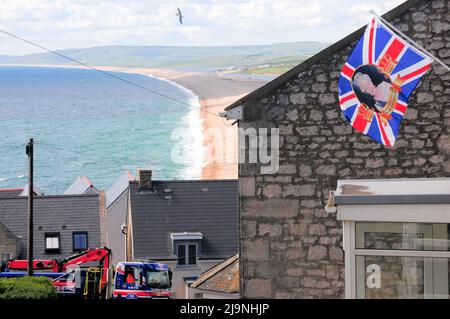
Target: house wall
205,294
290,247
102,212
179,287
9,243
63,214
116,216
129,249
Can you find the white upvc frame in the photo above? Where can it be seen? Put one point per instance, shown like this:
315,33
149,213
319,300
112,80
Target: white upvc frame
403,213
434,287
350,260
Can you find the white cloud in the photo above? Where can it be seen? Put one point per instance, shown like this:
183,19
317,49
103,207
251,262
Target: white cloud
83,23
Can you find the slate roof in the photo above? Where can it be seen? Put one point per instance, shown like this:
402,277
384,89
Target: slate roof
9,192
223,277
293,73
9,233
208,206
74,212
120,186
81,185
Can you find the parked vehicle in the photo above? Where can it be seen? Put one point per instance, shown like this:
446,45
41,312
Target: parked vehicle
135,280
86,274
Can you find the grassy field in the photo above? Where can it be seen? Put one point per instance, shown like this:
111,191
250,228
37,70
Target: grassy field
276,66
278,57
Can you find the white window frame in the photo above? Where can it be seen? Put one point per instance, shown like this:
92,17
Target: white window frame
52,237
351,252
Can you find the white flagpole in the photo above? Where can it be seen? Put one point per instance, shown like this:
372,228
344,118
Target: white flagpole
419,47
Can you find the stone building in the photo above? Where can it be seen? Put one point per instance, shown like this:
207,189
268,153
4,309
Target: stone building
290,247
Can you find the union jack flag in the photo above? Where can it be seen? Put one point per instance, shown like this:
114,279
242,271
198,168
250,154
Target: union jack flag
377,80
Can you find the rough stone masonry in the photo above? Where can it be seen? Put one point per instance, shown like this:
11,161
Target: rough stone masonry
290,247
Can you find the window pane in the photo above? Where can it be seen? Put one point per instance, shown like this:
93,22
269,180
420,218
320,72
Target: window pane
79,241
192,254
181,254
132,277
402,236
55,242
52,242
48,243
381,277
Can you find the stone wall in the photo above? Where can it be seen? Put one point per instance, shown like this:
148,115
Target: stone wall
290,247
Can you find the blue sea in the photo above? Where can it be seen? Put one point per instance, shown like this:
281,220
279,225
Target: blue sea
86,123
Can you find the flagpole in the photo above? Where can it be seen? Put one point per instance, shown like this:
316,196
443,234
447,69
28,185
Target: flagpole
418,46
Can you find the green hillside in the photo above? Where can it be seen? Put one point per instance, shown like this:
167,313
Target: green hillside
198,58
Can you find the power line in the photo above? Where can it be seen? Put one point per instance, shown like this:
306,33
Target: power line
103,72
114,77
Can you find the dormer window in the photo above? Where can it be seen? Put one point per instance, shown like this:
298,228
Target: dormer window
187,254
186,247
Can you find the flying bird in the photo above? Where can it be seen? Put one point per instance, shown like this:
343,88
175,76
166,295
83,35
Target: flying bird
180,16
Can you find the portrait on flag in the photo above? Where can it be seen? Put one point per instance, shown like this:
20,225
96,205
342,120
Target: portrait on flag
377,80
371,86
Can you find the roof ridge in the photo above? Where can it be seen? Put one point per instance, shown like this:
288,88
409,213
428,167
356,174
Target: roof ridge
50,196
87,181
11,189
213,271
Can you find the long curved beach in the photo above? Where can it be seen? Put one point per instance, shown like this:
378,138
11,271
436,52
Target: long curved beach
215,94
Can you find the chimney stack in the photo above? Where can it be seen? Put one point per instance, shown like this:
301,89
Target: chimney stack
145,178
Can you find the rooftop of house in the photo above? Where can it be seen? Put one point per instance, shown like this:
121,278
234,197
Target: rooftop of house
293,73
9,192
222,278
118,188
206,207
9,233
393,191
81,185
51,213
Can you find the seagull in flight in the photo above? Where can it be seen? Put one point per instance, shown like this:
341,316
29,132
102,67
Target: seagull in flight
180,16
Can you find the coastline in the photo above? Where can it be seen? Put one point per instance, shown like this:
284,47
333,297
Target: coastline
219,136
215,93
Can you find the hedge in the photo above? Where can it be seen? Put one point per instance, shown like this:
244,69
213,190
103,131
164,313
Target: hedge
27,288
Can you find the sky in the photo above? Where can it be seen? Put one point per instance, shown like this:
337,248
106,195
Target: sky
62,24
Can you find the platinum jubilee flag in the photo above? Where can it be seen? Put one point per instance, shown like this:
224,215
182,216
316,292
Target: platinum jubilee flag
377,80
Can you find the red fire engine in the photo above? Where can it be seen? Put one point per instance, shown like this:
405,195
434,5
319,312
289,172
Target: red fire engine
84,274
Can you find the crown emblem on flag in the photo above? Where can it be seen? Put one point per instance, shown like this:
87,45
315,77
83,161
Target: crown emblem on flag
387,64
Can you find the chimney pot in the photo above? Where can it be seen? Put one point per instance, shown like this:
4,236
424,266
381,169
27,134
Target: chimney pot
145,178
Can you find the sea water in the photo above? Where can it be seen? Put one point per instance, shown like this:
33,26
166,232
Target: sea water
85,123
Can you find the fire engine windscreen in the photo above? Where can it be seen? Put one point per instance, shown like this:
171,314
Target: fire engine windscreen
158,279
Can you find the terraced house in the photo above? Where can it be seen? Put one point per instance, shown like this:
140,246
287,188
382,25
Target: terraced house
290,245
63,224
191,225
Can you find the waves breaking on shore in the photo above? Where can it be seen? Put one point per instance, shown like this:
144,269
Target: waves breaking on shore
192,126
87,124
